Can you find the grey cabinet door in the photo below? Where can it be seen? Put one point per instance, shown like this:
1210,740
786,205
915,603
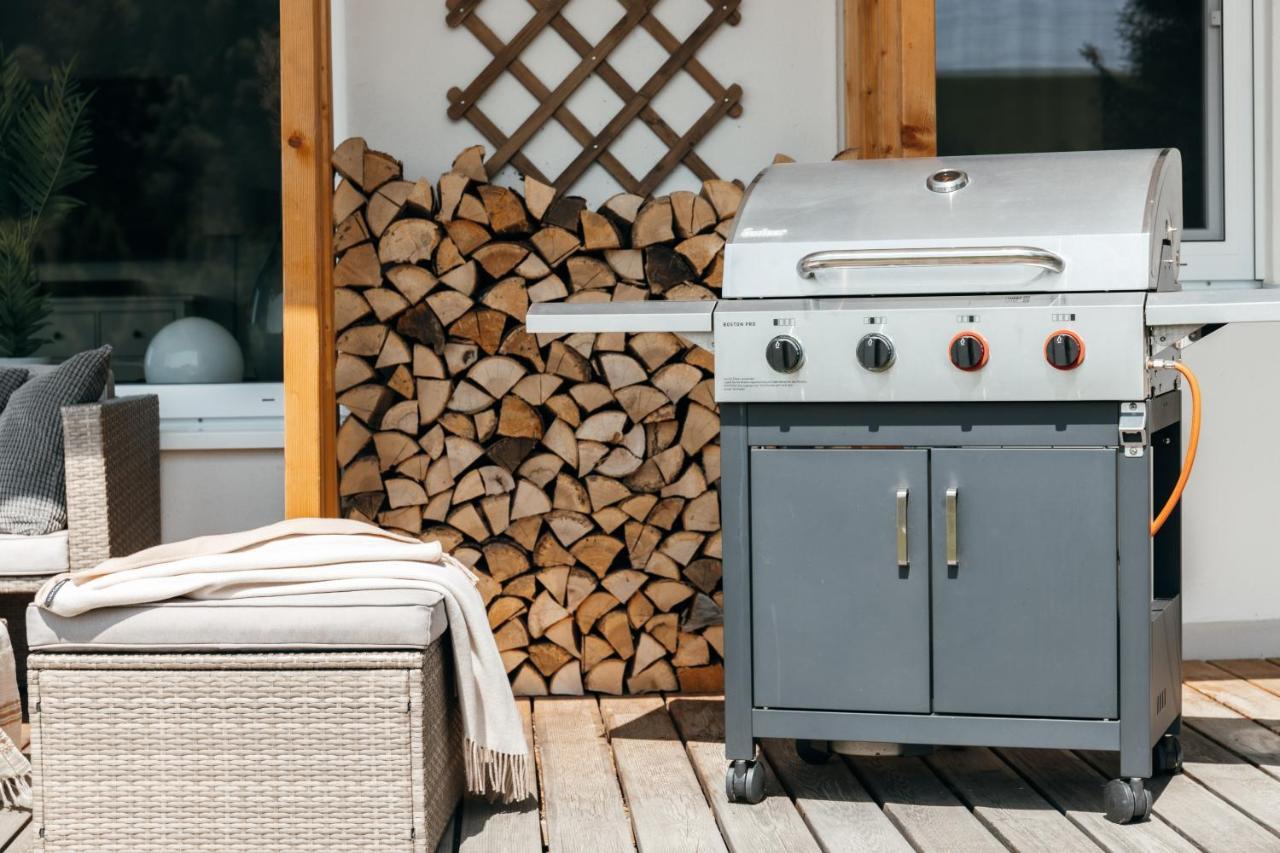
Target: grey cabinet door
1024,624
837,623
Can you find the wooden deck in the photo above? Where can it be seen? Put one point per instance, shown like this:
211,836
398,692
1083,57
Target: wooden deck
647,773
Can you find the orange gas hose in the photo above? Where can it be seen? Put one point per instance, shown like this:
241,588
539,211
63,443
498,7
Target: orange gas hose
1192,440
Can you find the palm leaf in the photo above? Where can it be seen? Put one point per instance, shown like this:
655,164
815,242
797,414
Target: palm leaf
15,93
48,150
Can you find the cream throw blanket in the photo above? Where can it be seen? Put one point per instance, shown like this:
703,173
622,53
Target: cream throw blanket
313,555
15,770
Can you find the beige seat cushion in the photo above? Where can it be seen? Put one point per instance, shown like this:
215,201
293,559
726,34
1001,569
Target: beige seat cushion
33,555
373,619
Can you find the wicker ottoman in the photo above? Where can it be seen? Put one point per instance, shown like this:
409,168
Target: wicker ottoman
319,722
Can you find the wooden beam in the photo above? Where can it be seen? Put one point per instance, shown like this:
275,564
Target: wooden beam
306,143
889,78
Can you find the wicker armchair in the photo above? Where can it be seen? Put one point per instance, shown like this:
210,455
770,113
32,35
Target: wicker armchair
113,483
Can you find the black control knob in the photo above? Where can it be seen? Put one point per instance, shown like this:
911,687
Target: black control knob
784,354
1064,350
969,351
875,352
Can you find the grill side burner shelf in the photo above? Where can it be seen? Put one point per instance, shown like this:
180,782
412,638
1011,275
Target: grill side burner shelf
949,414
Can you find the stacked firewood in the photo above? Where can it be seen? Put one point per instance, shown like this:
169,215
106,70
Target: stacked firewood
576,474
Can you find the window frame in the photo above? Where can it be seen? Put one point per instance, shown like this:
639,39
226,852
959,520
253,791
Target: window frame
1231,257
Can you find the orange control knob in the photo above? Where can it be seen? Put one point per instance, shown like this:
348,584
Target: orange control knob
1064,350
969,351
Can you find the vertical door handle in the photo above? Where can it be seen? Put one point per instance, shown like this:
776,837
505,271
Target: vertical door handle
953,553
903,559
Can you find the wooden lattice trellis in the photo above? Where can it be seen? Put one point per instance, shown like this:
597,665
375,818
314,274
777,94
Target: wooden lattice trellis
594,60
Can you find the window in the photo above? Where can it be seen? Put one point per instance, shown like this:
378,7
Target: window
1069,76
1041,75
181,217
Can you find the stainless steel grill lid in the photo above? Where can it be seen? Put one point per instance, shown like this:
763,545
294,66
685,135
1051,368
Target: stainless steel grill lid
1021,223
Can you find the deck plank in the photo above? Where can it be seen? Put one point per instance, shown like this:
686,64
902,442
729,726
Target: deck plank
583,802
1260,673
1193,810
1241,735
837,808
498,828
773,824
13,823
1005,803
23,841
1232,778
668,810
1239,695
928,814
1075,788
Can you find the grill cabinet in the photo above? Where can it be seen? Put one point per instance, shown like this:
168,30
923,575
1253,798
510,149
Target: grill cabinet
942,448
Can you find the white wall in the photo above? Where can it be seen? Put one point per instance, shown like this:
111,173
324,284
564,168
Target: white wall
394,61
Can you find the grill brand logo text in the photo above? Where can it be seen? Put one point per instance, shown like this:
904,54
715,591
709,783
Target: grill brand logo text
738,323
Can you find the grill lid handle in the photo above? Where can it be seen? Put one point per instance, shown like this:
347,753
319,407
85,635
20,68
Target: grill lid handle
967,256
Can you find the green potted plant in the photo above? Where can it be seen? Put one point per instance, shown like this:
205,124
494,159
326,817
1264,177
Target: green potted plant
44,150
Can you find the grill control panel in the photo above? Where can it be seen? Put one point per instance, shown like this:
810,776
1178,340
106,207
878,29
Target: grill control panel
983,348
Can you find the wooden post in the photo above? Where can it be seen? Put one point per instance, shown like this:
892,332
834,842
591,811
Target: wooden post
306,137
889,79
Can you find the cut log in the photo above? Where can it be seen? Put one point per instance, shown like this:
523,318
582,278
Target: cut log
409,241
498,259
724,196
510,296
518,419
567,681
588,273
648,652
359,267
529,500
528,682
664,268
613,626
653,224
379,168
554,244
470,164
537,196
362,475
597,552
622,370
544,612
592,608
658,678
700,426
598,232
353,436
666,594
505,210
623,583
692,213
604,427
565,212
606,677
348,159
449,305
350,232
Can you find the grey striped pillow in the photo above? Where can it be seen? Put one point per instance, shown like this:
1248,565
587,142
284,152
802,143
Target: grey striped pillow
33,489
10,379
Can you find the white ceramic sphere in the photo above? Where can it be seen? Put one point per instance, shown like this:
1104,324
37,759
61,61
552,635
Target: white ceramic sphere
193,350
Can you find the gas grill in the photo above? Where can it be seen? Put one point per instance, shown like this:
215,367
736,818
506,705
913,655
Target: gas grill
951,454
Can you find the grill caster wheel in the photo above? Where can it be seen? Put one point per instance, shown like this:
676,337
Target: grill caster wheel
1127,801
744,782
1166,755
814,751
